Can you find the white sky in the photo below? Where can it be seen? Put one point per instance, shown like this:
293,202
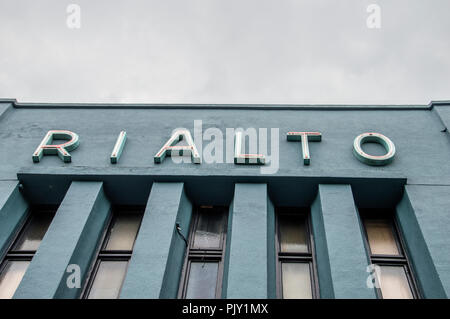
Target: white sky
228,51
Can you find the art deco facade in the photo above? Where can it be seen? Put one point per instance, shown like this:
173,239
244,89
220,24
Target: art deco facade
114,216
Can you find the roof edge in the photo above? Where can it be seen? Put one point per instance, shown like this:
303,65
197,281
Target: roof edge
251,106
439,103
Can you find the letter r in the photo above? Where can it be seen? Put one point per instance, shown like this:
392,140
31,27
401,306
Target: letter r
62,150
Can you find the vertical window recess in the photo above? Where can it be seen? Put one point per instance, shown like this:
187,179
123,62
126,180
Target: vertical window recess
296,271
109,270
23,249
203,268
385,247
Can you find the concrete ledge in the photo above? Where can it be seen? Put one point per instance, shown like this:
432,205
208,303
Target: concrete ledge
253,106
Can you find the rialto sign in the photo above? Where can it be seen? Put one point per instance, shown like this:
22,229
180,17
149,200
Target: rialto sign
173,147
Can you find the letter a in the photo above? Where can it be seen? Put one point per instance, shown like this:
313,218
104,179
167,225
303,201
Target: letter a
170,148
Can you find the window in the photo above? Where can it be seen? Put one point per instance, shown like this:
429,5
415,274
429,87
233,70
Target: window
386,251
203,268
23,249
110,268
296,274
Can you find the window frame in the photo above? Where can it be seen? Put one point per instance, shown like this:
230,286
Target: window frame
204,254
296,257
102,254
401,259
12,254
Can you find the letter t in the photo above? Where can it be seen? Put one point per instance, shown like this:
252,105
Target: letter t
304,137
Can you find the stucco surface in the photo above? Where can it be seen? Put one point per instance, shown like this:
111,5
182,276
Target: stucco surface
416,134
424,217
340,244
335,184
159,249
13,209
247,273
71,239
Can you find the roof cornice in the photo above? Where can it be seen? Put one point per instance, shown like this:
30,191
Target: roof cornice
55,105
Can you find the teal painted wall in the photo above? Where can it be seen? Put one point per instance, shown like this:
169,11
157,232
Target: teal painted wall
5,108
226,262
422,209
247,272
424,220
148,129
158,255
339,244
271,252
326,289
13,210
71,239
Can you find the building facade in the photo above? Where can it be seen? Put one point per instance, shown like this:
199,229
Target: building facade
295,205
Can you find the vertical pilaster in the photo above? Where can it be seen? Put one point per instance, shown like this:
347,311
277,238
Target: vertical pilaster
248,258
5,108
13,210
340,253
155,267
71,239
424,219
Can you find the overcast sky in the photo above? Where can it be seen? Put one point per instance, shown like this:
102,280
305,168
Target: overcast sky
228,51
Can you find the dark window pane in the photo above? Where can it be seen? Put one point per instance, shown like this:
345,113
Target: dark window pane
209,229
123,232
296,281
108,280
11,277
202,280
381,237
35,230
394,283
292,236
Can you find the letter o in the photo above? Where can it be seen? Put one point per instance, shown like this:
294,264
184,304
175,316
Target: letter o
373,159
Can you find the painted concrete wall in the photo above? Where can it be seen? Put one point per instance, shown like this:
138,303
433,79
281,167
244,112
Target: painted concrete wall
13,210
226,262
271,252
424,219
4,109
158,255
340,252
421,163
332,161
71,239
22,130
248,270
